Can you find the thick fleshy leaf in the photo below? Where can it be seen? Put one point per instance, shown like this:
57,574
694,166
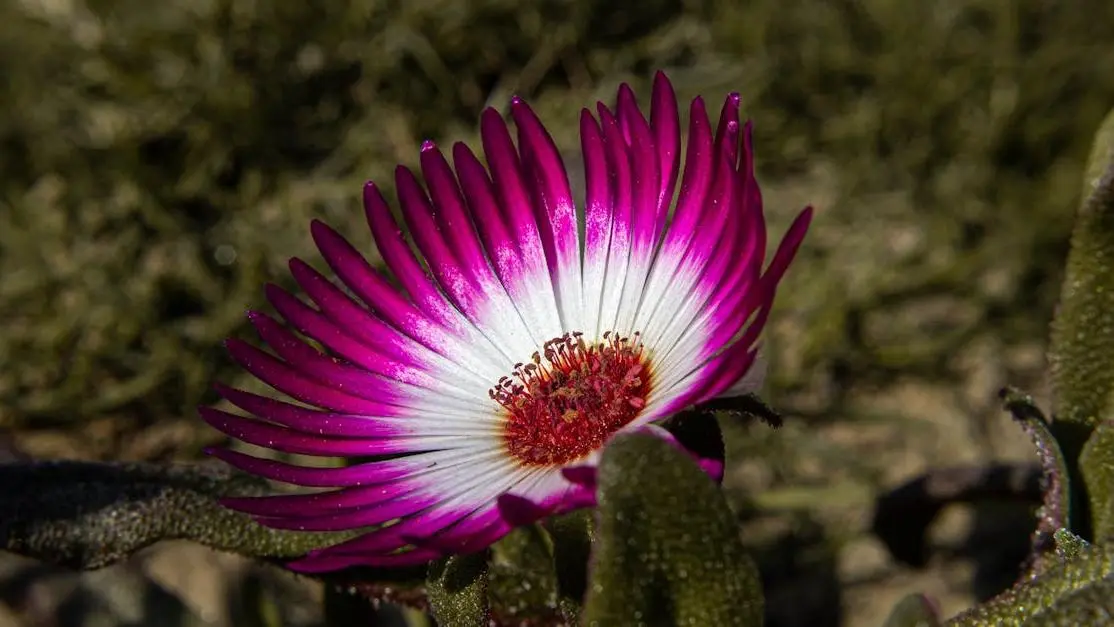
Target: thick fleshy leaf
914,610
1096,465
1055,511
457,590
1068,545
1082,348
89,515
523,580
668,550
572,536
1068,593
1093,605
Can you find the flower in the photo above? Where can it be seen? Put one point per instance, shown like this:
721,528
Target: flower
478,395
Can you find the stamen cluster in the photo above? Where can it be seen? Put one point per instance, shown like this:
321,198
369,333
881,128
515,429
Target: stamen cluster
571,397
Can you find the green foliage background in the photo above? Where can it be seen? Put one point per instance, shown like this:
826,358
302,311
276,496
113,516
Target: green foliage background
160,161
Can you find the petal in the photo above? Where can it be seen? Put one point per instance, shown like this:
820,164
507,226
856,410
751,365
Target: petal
361,474
645,189
526,284
666,126
554,211
618,252
513,200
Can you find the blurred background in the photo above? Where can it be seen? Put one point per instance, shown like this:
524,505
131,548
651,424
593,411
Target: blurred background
160,161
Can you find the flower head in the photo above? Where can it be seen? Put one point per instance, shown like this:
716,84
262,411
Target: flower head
523,330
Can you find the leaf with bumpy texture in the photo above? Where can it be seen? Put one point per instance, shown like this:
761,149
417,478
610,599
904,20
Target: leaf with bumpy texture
89,515
1054,513
573,535
1068,545
668,551
1057,597
1082,349
523,583
1093,605
1097,467
457,590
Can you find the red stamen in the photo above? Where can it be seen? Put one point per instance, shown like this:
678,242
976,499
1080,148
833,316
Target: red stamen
562,407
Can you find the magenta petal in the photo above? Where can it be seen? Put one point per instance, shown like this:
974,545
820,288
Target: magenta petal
324,561
306,420
754,221
735,363
322,368
360,474
493,230
644,170
597,207
711,467
697,179
286,379
510,188
787,250
727,138
420,517
452,216
298,442
421,524
298,504
337,306
619,166
580,475
367,340
554,208
472,534
578,498
366,516
459,285
520,511
392,245
352,269
666,125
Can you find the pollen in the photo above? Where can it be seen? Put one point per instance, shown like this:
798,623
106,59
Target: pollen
571,397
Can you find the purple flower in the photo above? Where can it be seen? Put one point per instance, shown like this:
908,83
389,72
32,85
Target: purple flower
525,330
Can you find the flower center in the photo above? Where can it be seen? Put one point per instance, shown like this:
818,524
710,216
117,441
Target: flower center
572,396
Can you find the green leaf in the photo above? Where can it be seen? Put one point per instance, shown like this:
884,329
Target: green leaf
1055,510
668,551
914,610
1097,467
522,582
1050,599
573,535
1082,348
1068,545
1093,605
457,590
89,515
